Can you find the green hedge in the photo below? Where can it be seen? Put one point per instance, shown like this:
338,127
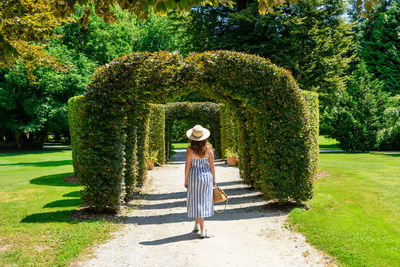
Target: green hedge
311,99
229,129
201,112
75,119
277,152
157,132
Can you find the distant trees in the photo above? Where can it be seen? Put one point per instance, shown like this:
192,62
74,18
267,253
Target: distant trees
310,38
29,110
355,122
379,45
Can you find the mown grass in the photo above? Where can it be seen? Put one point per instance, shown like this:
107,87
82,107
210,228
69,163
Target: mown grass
180,145
355,211
328,143
35,211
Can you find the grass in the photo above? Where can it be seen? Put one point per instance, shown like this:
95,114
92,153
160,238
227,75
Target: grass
355,211
328,143
180,145
35,208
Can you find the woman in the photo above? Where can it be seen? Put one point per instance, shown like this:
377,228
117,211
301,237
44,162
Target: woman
199,177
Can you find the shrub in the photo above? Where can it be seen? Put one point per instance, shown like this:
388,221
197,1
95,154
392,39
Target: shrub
312,102
200,112
275,128
157,132
230,153
75,119
357,119
389,137
229,129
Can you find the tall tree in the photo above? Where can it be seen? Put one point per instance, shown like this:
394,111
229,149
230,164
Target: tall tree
24,26
379,45
29,111
358,117
310,38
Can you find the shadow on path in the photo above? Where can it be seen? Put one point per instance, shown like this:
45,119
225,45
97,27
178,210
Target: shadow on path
244,213
172,239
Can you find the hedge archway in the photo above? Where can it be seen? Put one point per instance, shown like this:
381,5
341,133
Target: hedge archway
278,137
201,111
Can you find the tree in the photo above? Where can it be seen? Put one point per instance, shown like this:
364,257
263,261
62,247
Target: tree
389,135
358,117
24,26
25,21
379,46
310,38
29,111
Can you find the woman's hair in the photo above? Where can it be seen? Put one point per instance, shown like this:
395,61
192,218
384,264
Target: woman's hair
199,147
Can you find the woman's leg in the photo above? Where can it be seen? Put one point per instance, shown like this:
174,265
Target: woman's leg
201,221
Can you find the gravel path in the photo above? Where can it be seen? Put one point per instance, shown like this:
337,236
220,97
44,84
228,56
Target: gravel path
248,233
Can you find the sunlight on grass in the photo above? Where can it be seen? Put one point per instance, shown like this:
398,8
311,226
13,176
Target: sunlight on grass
35,208
180,145
328,143
355,212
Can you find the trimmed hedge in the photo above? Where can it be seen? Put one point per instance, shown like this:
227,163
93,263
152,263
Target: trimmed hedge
202,112
311,99
229,130
75,119
277,151
157,132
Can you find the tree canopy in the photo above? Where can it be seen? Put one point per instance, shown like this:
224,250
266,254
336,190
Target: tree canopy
379,45
26,24
310,38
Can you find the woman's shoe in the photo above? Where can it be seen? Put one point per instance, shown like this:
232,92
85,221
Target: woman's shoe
196,227
203,233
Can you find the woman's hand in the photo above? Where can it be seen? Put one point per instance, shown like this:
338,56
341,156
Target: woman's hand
186,184
214,183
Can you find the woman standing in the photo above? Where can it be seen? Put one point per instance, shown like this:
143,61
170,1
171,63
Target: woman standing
199,177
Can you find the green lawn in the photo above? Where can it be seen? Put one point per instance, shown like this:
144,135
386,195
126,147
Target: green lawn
328,143
180,145
35,208
355,212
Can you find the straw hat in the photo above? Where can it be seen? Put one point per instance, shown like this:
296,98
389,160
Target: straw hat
198,133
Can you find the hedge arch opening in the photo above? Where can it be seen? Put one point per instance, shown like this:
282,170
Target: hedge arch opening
199,111
277,129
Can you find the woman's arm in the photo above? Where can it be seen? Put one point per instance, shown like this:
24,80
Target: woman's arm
189,153
212,167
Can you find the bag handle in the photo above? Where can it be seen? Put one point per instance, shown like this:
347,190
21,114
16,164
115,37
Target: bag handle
226,203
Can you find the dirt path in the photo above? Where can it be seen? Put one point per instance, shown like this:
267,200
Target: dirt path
248,233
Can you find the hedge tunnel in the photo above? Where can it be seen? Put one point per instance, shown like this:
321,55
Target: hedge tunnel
277,123
199,111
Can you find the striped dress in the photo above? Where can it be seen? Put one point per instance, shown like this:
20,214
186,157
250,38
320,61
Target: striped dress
200,189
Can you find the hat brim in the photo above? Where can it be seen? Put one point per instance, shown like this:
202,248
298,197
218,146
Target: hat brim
206,134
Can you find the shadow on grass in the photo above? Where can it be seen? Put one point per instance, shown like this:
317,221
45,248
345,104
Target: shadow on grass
45,217
73,194
41,163
11,153
64,203
331,146
53,180
388,154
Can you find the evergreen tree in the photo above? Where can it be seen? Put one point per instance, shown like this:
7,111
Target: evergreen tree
379,45
310,38
358,117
